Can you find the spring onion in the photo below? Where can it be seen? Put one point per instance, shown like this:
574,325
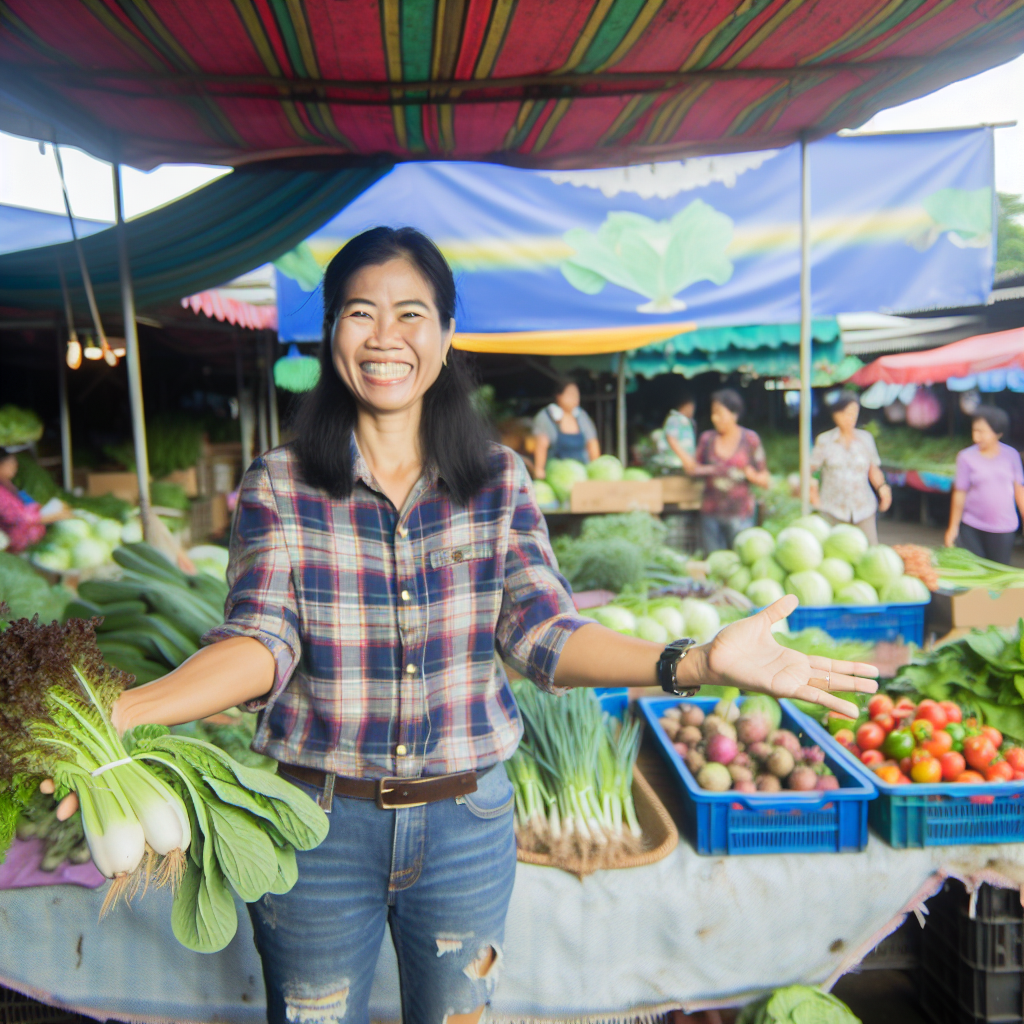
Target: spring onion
960,568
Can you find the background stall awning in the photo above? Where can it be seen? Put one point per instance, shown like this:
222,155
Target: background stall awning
572,83
21,228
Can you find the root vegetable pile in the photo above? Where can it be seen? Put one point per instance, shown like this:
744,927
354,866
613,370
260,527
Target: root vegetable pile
918,561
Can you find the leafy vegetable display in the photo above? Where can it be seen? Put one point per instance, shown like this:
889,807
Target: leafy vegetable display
85,541
26,593
18,426
155,807
573,777
961,568
798,1004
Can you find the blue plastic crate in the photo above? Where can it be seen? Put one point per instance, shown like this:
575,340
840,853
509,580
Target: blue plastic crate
869,622
613,699
940,813
834,821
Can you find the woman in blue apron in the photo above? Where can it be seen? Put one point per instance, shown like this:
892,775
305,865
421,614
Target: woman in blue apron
562,430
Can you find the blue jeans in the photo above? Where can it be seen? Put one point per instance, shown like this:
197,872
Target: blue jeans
717,534
440,876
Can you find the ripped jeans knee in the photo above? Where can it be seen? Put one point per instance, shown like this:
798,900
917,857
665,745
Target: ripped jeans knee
304,1005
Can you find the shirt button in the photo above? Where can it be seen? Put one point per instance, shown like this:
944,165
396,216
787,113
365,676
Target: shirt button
403,531
410,670
401,750
406,596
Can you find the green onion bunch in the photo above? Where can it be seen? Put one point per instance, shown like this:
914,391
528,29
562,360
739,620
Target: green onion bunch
961,568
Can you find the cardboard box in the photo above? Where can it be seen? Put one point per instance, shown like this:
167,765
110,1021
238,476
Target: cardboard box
681,491
616,496
121,485
186,479
974,609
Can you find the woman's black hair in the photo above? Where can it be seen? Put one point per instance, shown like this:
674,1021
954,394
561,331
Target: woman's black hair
843,401
684,396
730,399
453,436
560,384
995,417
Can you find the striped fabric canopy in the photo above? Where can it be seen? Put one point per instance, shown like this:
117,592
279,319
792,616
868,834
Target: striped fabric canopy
532,82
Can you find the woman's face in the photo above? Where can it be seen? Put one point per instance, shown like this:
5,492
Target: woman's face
722,419
983,435
846,419
389,342
569,399
8,467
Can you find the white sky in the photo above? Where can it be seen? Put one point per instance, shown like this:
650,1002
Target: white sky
29,178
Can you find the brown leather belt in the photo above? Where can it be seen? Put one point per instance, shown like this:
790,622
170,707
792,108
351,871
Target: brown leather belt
389,793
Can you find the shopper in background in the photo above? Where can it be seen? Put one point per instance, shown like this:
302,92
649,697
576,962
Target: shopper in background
729,458
988,490
562,430
20,517
851,470
680,432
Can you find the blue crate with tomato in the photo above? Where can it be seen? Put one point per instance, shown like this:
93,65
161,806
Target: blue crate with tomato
942,779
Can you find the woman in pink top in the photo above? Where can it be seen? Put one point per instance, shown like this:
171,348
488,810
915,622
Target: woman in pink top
989,483
19,520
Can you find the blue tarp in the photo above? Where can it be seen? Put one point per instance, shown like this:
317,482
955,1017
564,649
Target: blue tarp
29,229
899,222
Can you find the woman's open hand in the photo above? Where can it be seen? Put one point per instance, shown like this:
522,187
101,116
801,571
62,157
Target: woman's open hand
746,654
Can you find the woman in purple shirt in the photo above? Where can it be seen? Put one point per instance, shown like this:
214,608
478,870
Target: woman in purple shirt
989,483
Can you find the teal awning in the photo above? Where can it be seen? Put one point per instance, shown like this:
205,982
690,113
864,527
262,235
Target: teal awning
224,229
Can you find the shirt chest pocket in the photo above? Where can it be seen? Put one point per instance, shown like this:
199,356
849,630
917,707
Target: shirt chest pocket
464,576
460,555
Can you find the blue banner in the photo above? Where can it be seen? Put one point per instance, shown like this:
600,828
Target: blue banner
899,223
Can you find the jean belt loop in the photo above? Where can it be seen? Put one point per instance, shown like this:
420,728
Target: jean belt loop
326,800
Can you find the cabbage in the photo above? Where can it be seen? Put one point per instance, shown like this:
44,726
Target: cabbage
836,571
857,592
545,494
636,473
605,467
563,474
813,524
763,592
622,620
767,569
89,553
722,564
108,531
55,559
798,550
131,532
702,621
739,579
810,587
753,543
211,559
847,542
671,618
69,531
905,590
878,565
648,628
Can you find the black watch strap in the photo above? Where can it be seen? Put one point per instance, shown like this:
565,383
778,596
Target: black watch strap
667,662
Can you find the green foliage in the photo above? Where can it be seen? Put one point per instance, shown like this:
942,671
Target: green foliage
798,1004
18,426
26,593
1010,248
173,442
488,406
34,480
164,494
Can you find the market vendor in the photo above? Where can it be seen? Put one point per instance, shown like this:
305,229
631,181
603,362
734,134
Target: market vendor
851,471
562,430
730,458
680,432
20,517
988,490
378,563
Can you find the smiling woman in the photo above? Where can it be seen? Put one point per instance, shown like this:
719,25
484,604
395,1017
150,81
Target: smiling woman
378,565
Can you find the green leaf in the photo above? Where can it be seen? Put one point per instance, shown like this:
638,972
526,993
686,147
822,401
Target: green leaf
583,280
244,852
203,915
138,736
287,870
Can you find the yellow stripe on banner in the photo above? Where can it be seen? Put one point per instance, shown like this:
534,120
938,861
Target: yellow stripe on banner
596,341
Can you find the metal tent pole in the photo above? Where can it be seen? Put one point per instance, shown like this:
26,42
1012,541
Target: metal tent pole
620,408
131,345
65,416
275,422
805,326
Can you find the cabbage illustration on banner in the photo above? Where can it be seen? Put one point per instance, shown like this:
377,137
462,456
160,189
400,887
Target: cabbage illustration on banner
965,216
656,258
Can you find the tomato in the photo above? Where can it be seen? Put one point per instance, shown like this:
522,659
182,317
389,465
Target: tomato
870,736
922,729
970,723
959,734
953,765
952,709
998,771
889,774
927,770
880,704
872,757
979,751
900,743
993,734
886,721
941,743
1017,776
1015,758
931,713
836,721
903,780
844,737
855,750
903,708
905,765
969,777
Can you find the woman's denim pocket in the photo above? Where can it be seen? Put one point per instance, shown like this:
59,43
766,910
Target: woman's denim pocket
494,795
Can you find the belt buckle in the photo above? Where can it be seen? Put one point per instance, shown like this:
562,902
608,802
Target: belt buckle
382,791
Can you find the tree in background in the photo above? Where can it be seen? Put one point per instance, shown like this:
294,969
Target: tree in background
1010,235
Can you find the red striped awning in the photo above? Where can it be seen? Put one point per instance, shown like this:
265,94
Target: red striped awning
528,82
223,308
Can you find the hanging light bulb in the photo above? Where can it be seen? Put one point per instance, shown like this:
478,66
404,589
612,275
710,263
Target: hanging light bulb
73,356
92,350
109,355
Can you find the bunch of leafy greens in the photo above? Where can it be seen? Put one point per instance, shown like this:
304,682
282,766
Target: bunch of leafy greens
907,448
984,672
173,441
26,593
959,567
798,1004
41,486
18,426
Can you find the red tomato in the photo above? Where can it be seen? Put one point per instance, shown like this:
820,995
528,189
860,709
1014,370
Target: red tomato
952,709
870,736
880,704
903,708
927,770
886,721
919,755
932,713
970,723
903,780
939,744
922,730
872,757
905,765
1017,776
855,750
998,771
889,774
844,737
953,765
993,734
979,751
1015,757
969,777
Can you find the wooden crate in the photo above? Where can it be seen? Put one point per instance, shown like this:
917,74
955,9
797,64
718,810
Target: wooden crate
208,517
681,491
186,479
616,496
121,485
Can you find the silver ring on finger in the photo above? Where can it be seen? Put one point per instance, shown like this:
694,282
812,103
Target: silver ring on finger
828,679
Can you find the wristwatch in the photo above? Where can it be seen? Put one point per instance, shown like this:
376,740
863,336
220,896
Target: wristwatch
667,662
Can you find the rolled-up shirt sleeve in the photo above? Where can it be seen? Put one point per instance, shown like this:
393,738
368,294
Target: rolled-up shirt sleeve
261,602
537,613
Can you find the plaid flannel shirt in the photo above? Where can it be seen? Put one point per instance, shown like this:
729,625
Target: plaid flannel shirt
384,624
